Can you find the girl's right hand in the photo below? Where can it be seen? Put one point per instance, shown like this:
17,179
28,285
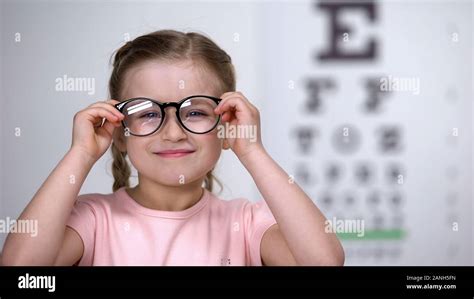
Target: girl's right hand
89,135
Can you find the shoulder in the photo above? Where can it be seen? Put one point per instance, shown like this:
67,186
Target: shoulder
97,201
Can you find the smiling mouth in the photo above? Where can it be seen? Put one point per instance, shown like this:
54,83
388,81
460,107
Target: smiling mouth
174,153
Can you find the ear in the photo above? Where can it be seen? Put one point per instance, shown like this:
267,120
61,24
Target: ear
119,139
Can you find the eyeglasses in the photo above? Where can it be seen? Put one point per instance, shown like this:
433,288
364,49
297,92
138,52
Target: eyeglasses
145,116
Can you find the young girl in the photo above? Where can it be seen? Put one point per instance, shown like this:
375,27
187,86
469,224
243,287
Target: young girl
176,90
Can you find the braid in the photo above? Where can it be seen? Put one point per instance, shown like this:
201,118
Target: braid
209,182
120,169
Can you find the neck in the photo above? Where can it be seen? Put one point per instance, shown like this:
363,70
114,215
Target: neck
156,196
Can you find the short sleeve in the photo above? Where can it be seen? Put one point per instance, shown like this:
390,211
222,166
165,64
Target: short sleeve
258,219
82,220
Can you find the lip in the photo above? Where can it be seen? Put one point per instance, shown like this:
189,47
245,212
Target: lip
177,153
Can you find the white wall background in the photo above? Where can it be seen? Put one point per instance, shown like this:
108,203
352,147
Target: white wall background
271,43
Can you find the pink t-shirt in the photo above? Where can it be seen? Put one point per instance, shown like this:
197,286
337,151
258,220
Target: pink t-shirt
116,230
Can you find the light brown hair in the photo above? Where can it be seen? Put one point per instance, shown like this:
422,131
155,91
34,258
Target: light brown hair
167,45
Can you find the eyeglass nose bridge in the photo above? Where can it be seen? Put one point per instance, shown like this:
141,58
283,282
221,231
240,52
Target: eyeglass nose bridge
173,104
165,105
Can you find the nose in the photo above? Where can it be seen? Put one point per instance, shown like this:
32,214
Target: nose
171,129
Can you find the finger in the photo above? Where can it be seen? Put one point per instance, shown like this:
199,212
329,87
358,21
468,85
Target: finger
233,103
237,94
108,128
244,98
224,116
232,94
109,107
109,104
109,101
225,94
96,114
112,102
227,116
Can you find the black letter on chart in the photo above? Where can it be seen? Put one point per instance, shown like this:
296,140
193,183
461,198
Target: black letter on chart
315,86
337,29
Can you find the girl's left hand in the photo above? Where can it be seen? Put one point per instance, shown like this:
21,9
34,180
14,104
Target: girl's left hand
241,116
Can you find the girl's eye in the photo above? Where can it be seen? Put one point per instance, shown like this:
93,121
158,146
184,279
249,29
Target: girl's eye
196,114
149,115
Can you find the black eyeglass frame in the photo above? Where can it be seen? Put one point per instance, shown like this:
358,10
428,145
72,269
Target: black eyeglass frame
163,106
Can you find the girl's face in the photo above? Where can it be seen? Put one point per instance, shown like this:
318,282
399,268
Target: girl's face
170,83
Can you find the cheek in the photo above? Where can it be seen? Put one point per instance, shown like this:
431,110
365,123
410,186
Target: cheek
137,153
210,148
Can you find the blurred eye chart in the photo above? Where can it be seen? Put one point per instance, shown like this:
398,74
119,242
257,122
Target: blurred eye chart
372,103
